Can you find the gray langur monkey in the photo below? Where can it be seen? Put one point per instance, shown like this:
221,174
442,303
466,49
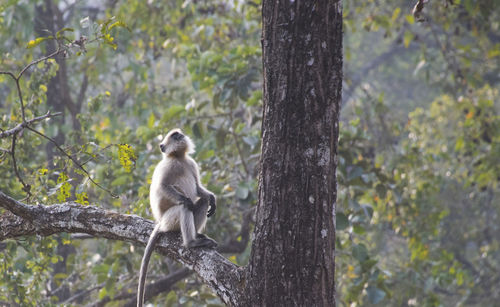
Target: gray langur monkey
178,200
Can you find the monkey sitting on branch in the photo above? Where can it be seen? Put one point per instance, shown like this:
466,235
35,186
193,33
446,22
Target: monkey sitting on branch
178,200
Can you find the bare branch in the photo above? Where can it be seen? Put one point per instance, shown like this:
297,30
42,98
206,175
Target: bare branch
18,77
25,124
9,74
26,187
224,277
83,293
53,54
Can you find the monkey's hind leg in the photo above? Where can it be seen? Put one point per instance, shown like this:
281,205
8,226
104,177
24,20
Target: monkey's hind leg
199,216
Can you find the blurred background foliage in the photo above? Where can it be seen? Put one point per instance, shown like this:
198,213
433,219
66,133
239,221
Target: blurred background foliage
419,155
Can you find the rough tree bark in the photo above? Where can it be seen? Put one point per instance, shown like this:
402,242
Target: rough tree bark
292,260
22,220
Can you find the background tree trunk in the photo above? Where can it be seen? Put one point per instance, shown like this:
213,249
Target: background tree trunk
292,260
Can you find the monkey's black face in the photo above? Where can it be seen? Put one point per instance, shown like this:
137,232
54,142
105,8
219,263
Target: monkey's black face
176,144
174,138
177,136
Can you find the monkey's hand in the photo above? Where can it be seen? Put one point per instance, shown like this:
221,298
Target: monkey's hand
211,210
186,202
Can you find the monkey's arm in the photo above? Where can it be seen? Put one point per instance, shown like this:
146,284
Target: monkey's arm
201,191
204,193
175,196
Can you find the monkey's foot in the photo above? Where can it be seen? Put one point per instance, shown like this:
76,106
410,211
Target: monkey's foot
202,241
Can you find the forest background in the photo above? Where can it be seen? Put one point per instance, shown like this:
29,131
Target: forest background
419,146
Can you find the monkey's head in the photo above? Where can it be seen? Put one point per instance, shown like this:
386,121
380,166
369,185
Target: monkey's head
176,144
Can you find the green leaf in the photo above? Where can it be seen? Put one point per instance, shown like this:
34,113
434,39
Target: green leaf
119,24
459,143
460,277
100,268
359,252
408,36
381,190
354,173
102,293
341,221
35,42
60,33
368,264
54,259
172,112
205,154
104,26
151,120
375,295
395,14
358,229
242,191
60,276
410,19
120,180
171,299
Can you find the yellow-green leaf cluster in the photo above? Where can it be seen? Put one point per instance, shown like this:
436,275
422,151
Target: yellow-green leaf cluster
64,191
127,156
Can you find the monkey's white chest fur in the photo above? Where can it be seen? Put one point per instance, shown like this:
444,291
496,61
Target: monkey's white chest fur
177,172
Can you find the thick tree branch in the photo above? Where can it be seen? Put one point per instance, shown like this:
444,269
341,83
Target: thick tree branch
224,277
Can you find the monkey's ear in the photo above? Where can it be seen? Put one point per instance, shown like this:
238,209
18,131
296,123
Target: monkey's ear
162,147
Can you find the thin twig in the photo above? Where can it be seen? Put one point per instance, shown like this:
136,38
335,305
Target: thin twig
8,73
208,116
61,48
240,153
25,124
84,293
26,187
16,80
18,77
53,54
73,160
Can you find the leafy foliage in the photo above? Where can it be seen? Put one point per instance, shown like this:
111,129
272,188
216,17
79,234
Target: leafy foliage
418,169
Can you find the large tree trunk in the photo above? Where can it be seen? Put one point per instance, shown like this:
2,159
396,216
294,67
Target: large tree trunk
292,261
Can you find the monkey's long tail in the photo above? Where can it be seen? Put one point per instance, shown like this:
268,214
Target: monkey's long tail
144,265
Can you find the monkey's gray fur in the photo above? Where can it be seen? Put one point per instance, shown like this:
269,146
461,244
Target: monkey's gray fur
178,200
